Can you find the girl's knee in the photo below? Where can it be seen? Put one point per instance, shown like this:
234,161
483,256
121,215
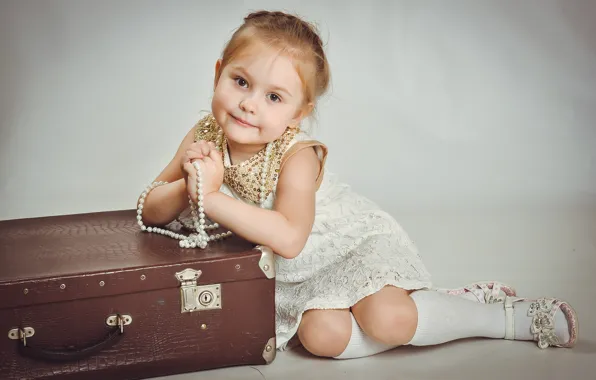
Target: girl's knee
325,332
389,320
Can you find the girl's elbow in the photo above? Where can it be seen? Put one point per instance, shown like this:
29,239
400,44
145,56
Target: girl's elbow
152,216
291,247
288,254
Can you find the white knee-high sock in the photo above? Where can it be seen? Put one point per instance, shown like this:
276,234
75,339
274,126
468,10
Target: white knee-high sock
441,318
361,345
444,318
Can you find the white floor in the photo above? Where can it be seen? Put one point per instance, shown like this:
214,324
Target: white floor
541,253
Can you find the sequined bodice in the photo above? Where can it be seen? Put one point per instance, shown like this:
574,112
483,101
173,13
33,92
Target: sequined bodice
245,178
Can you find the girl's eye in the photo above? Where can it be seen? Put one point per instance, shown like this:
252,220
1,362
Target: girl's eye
241,82
274,98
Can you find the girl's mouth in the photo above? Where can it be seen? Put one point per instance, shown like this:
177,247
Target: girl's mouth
242,122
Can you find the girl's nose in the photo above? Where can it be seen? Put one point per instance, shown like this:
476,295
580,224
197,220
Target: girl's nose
247,105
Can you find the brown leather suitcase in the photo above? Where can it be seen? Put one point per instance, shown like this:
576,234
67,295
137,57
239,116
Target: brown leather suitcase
90,296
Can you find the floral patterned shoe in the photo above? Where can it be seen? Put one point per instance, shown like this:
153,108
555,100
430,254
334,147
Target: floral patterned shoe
546,328
485,291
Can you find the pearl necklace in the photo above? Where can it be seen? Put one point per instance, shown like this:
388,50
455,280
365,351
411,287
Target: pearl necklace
200,239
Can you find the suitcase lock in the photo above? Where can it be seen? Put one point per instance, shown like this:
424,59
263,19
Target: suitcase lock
195,297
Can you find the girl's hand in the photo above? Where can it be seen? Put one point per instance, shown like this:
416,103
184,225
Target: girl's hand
197,150
212,172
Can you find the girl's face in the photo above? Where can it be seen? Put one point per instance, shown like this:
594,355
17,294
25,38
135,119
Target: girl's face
257,96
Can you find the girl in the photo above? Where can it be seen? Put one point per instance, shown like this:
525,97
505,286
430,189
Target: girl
350,282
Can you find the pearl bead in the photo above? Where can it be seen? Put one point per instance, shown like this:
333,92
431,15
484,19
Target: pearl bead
201,238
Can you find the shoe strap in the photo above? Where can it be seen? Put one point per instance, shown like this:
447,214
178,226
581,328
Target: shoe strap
509,318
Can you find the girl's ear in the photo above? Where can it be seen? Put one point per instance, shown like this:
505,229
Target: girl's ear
217,73
302,114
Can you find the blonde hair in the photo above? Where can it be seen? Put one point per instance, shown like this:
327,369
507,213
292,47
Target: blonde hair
292,36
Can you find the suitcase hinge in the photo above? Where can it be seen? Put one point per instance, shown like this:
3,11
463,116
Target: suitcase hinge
195,297
21,334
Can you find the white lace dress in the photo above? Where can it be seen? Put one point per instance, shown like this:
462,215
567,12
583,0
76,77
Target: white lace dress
354,250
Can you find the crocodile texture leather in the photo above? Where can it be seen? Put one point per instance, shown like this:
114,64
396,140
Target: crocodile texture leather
65,275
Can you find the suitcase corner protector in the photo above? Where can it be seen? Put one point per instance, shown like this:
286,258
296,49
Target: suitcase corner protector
267,261
270,351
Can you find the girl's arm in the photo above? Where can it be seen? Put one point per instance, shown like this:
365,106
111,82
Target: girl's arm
166,202
286,228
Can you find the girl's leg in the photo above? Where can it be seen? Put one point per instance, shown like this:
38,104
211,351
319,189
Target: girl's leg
391,318
329,333
325,332
336,333
371,334
379,313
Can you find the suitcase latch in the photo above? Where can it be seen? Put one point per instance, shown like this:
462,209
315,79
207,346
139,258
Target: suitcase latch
195,297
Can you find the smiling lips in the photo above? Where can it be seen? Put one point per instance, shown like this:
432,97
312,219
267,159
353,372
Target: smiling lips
242,122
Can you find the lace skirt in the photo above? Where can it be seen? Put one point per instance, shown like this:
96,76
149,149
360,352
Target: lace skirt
355,250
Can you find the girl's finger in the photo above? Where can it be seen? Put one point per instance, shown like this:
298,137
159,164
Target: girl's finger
196,146
189,168
205,148
215,156
192,154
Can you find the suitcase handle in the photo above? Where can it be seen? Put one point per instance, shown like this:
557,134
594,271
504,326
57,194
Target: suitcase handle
72,354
